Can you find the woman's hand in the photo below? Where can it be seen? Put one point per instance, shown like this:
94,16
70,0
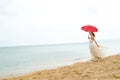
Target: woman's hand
98,46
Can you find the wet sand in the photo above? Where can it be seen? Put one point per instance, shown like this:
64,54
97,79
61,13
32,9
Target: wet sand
106,69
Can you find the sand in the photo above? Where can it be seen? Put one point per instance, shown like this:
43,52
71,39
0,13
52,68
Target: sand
106,69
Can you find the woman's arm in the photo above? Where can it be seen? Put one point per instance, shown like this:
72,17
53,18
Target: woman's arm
96,43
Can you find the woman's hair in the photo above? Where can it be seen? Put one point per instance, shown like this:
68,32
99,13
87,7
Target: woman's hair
93,34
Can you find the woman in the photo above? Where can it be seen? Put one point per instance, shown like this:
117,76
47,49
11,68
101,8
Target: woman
95,50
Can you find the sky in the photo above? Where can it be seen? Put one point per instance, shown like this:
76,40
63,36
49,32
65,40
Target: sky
39,22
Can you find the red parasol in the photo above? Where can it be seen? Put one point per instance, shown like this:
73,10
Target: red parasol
89,28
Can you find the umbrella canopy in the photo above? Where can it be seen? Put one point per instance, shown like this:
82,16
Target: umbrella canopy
89,28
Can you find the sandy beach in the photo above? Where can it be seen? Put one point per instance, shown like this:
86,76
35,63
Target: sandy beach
107,69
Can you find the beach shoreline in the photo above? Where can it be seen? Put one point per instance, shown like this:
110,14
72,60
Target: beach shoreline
108,69
33,69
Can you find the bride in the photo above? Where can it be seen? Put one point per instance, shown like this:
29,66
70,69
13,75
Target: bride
95,49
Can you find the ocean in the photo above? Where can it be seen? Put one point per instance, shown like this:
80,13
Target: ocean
20,60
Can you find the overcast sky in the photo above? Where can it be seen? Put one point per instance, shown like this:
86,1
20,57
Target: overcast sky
30,22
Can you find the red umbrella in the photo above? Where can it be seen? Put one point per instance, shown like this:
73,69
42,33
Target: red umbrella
89,28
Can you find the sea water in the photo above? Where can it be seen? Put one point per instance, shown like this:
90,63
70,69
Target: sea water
25,59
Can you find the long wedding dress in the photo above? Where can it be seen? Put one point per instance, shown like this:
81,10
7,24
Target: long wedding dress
96,52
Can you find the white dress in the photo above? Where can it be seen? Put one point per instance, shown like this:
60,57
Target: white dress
96,52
